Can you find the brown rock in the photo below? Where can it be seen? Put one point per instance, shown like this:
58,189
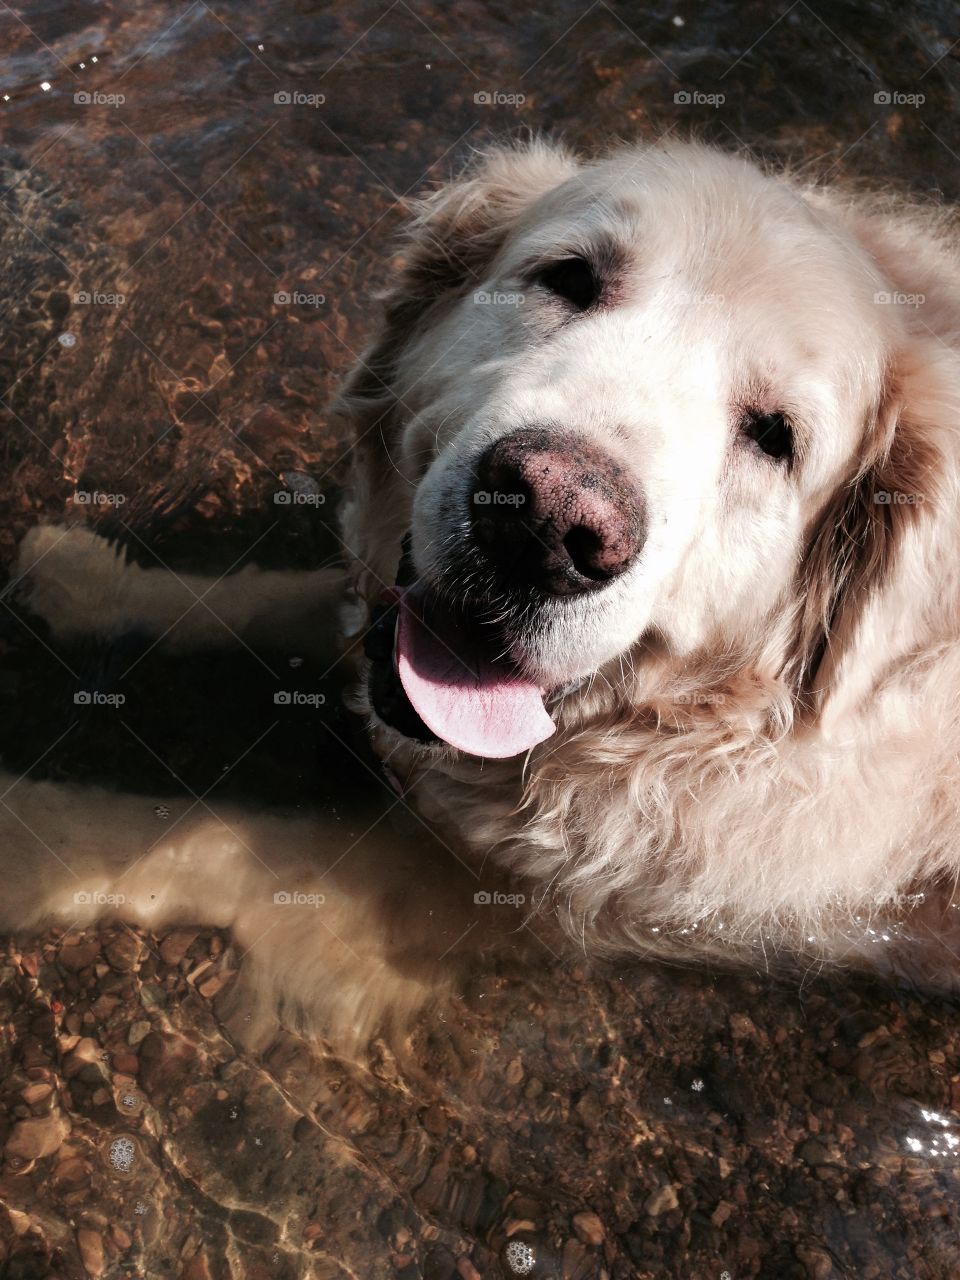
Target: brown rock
663,1200
196,1268
37,1095
79,955
84,1061
589,1228
73,1172
124,951
37,1137
90,1244
176,945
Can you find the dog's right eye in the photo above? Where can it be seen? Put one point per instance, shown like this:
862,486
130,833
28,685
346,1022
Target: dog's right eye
573,280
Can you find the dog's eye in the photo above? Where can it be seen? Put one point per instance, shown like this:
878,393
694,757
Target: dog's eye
572,279
771,432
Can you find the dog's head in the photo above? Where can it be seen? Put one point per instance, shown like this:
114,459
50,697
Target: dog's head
656,412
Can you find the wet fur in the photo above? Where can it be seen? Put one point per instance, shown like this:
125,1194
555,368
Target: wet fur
773,789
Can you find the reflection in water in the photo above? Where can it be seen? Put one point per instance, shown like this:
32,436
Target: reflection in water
188,258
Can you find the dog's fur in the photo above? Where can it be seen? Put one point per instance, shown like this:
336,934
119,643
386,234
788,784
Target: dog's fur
757,725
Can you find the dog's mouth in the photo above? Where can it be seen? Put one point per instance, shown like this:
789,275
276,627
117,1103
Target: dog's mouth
439,674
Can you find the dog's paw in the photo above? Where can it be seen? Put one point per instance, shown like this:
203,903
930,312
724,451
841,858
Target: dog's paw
70,577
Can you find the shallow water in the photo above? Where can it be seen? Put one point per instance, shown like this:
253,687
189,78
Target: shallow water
715,1126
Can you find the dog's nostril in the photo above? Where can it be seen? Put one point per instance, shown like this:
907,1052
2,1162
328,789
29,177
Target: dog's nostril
585,548
554,512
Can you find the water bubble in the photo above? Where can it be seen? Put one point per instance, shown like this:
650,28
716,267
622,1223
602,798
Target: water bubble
67,339
122,1152
519,1258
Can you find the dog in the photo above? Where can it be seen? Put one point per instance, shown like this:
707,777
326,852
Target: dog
651,571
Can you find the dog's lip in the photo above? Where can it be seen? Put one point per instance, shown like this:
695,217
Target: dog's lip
441,672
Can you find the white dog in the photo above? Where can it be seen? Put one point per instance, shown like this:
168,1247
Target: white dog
672,446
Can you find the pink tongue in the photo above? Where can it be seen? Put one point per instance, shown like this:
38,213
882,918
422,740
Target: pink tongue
465,699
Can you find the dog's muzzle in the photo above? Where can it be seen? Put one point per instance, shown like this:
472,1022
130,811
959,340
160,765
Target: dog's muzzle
555,514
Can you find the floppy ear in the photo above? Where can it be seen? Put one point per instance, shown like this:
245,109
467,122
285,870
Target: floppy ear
868,579
450,238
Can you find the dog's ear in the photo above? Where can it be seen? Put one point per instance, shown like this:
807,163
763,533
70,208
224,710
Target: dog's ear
868,575
450,238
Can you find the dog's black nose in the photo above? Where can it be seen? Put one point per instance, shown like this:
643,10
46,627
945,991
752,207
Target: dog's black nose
555,512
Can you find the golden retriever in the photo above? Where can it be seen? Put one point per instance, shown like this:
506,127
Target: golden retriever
653,543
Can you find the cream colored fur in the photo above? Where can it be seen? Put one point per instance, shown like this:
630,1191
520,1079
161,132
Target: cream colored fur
760,751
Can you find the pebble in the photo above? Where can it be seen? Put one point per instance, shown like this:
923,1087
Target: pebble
176,945
589,1228
90,1244
124,951
79,955
36,1137
663,1200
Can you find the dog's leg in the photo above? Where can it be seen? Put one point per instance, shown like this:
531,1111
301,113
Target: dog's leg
81,584
344,926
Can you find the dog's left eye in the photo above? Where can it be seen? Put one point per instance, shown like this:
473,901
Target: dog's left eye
771,432
573,280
